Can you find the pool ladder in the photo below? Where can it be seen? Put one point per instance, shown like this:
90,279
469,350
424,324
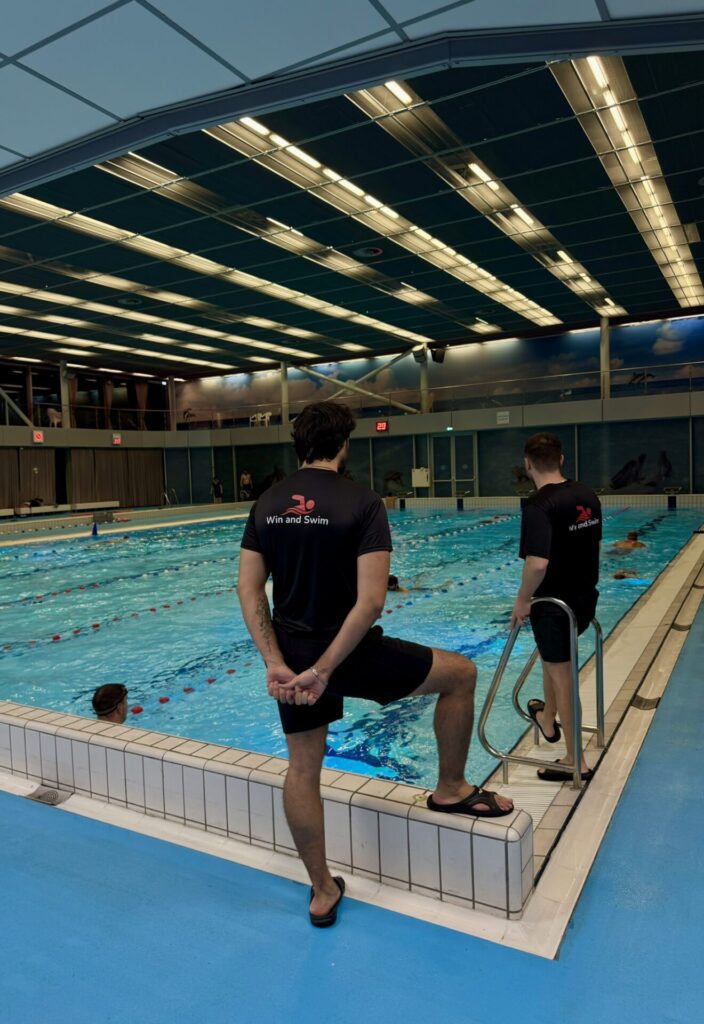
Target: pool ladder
506,757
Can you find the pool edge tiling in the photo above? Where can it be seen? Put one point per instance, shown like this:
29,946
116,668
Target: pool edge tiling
376,830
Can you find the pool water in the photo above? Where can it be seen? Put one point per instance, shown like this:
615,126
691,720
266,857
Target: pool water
158,612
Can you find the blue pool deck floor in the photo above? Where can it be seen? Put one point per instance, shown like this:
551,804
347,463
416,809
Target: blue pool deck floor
98,924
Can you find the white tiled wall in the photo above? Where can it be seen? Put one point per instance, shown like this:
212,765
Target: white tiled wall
374,827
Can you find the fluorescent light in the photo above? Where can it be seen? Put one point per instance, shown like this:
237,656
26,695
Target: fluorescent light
25,359
351,187
256,126
135,374
523,215
332,175
106,369
78,366
279,140
597,69
373,202
564,256
486,178
352,346
399,92
70,351
301,155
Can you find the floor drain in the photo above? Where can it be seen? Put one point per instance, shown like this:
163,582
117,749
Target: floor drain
44,795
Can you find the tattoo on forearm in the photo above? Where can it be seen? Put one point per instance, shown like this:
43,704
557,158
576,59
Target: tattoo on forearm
266,628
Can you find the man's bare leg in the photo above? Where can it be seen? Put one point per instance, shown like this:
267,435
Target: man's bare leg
559,674
453,677
304,813
546,717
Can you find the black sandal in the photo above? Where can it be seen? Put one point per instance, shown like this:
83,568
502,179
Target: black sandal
561,774
325,920
534,706
468,805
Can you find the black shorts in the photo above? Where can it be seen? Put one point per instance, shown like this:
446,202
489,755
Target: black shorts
551,626
380,668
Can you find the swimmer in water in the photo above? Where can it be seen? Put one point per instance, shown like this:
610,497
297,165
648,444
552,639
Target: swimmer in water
110,703
629,544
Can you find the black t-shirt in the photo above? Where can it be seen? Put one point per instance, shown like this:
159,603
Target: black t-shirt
311,528
562,523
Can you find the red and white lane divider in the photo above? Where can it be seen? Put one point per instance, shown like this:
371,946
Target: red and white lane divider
95,626
165,698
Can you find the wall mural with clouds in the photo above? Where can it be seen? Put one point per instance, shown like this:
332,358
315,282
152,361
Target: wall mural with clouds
645,358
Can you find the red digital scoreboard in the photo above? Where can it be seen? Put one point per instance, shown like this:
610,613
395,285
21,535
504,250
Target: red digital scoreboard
382,426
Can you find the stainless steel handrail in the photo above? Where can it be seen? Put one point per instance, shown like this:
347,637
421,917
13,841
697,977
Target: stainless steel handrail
504,756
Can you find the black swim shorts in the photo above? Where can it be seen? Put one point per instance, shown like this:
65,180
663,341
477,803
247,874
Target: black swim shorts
551,625
380,668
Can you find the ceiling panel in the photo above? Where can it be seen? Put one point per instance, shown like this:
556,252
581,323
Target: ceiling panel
272,35
130,61
648,8
484,14
26,22
40,116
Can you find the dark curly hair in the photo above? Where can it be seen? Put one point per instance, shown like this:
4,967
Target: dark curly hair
321,429
544,450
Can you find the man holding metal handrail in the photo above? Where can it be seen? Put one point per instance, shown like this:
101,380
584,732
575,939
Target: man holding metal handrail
560,542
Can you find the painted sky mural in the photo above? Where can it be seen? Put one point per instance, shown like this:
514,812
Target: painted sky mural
650,355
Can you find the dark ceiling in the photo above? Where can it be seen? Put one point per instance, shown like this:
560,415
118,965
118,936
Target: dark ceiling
516,120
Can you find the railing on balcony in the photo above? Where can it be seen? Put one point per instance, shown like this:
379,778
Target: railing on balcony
634,381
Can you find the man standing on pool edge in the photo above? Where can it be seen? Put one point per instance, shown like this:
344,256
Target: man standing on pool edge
326,542
560,541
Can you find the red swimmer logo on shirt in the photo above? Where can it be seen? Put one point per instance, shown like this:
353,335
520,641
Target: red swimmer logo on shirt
585,518
301,508
300,513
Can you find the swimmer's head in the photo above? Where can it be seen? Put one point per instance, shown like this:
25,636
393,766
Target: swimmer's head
110,701
393,583
633,535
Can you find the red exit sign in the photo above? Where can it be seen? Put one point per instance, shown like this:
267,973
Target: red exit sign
117,438
382,426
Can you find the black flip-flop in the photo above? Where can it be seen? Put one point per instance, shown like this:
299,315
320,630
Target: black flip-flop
534,706
468,805
561,774
325,920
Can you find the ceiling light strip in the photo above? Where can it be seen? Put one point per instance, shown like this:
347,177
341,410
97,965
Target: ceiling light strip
602,96
143,173
207,309
347,197
37,209
422,132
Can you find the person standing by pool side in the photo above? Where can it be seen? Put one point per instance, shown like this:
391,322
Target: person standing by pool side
326,542
217,490
560,542
246,485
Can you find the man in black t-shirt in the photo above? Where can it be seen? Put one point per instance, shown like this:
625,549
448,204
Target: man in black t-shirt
325,540
560,542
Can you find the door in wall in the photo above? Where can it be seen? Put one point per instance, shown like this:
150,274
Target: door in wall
453,464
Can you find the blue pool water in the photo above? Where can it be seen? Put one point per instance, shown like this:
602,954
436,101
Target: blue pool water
159,613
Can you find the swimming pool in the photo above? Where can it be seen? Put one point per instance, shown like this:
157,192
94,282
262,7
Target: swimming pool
159,613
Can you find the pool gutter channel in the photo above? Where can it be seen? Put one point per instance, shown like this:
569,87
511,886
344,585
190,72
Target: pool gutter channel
228,803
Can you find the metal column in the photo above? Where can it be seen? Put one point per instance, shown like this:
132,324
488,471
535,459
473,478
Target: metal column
605,357
284,393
